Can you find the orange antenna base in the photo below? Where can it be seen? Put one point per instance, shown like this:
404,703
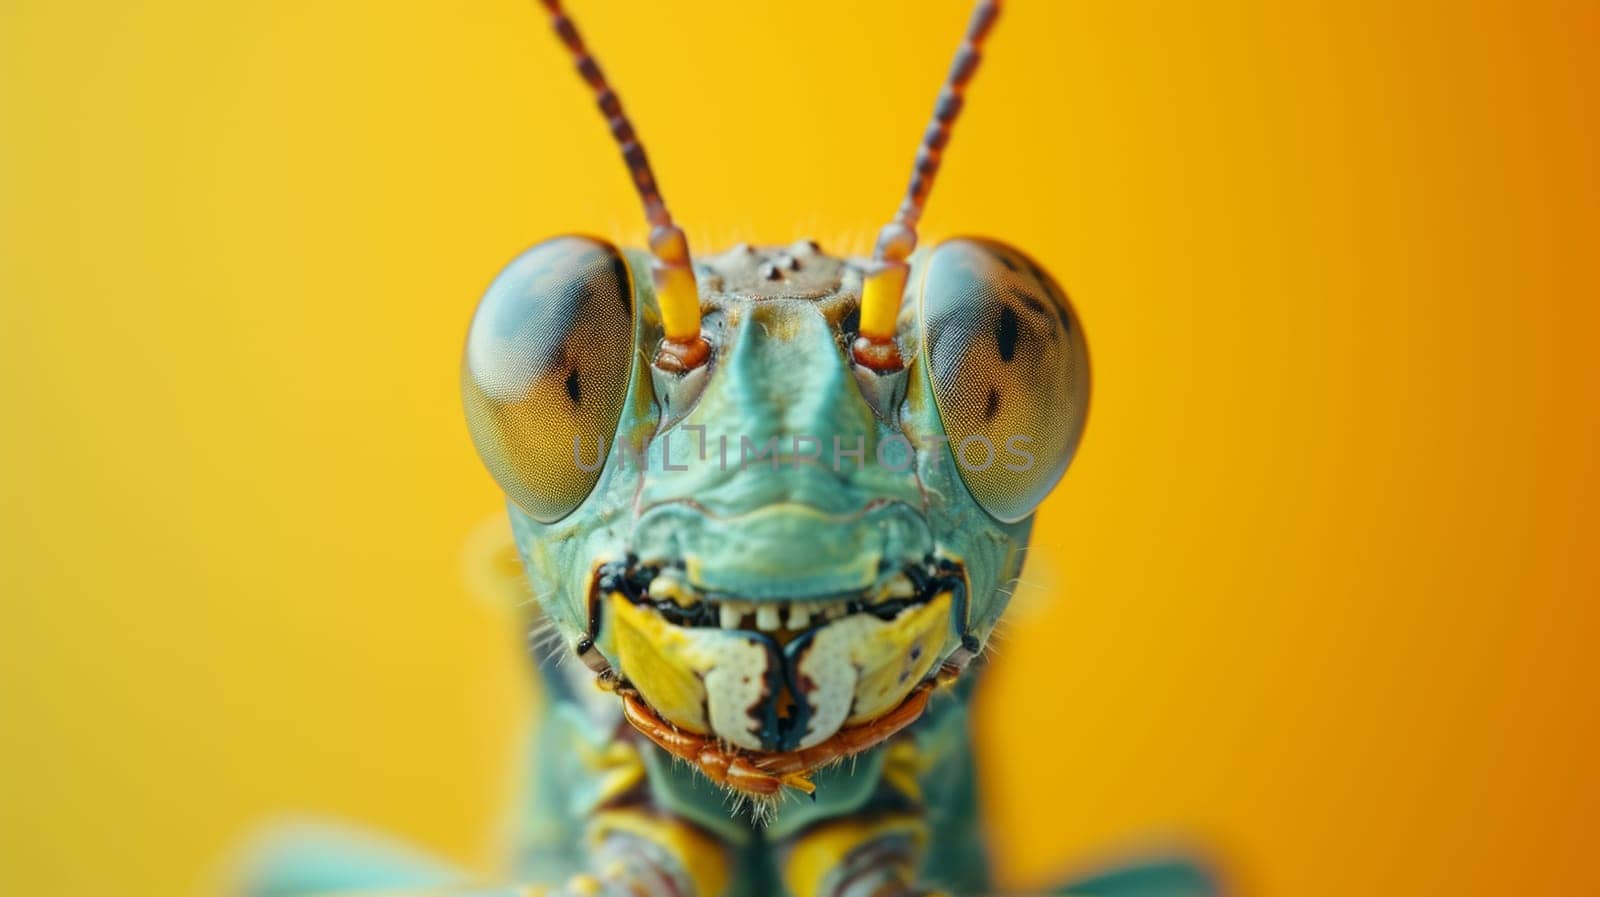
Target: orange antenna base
672,270
682,348
885,282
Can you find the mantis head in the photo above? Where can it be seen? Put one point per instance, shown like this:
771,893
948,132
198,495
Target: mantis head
774,497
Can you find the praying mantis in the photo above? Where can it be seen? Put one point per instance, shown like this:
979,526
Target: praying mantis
768,501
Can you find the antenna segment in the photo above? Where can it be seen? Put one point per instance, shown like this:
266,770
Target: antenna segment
671,269
886,279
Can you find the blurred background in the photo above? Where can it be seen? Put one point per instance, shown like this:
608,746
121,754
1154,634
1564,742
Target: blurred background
1317,595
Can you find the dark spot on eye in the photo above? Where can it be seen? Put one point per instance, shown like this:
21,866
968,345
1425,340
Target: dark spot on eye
619,271
1004,259
1038,274
1006,334
574,391
993,406
1028,299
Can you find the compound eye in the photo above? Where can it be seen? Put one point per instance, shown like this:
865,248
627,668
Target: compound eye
546,372
1009,370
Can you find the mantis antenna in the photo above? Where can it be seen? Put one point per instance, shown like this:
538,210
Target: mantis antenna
885,282
671,268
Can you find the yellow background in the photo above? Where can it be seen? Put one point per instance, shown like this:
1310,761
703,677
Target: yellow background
1317,595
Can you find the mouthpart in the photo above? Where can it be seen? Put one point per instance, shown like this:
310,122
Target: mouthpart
760,692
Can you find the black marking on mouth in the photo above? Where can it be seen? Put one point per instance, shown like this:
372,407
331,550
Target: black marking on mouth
770,731
623,575
626,576
782,727
799,718
704,612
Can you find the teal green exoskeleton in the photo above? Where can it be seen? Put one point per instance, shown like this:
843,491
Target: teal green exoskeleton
772,502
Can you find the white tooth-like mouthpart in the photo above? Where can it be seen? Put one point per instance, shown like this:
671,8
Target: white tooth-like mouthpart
767,618
731,614
833,610
669,585
826,665
735,682
799,615
901,587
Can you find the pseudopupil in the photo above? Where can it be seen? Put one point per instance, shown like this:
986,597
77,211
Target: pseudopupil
1006,334
573,391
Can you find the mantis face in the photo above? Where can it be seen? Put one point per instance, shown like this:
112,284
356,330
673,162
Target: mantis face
773,555
766,501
